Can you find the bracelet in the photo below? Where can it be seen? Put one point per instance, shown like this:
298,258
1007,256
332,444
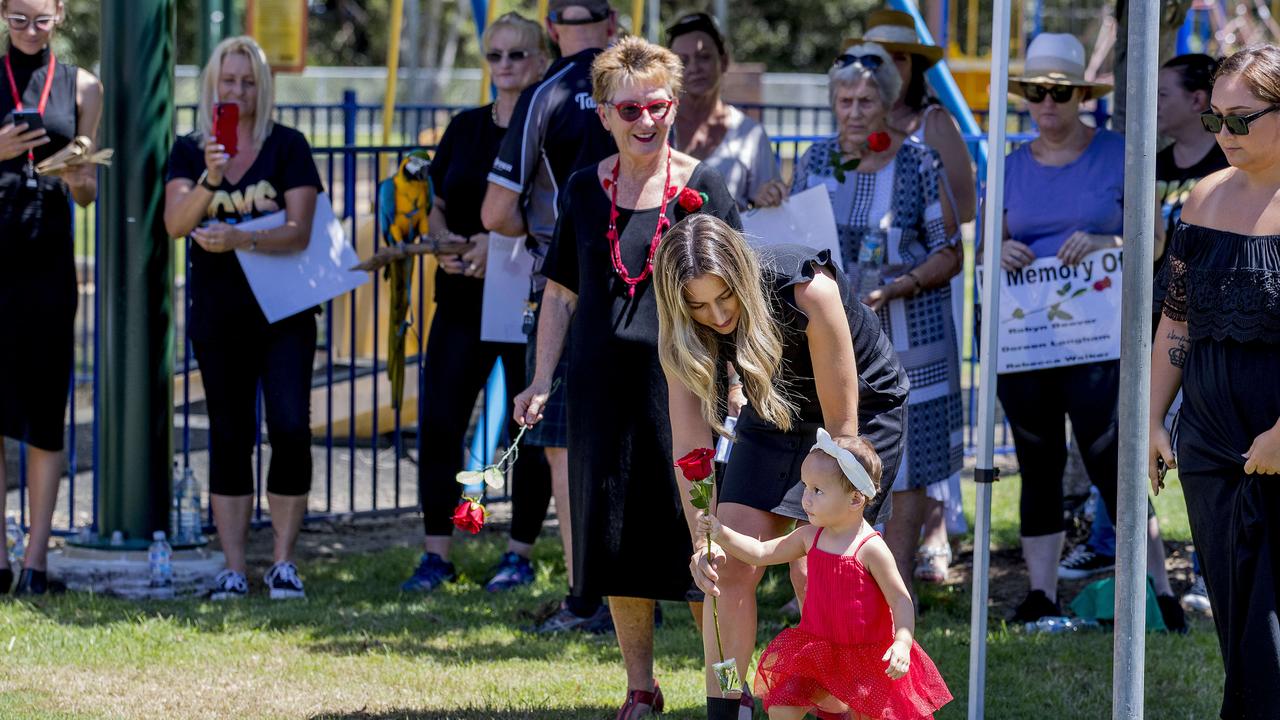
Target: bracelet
253,241
919,286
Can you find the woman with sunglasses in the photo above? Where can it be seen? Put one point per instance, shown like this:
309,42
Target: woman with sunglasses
44,105
1219,341
1064,198
458,362
893,197
631,535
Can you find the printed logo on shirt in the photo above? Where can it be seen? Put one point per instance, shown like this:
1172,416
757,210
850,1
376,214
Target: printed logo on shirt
257,199
501,166
1172,194
585,101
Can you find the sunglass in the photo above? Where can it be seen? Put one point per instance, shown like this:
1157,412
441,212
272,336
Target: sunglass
495,57
43,23
557,18
631,111
870,62
1236,124
1037,93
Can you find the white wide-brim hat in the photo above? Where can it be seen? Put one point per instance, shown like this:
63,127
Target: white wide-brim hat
895,31
1056,59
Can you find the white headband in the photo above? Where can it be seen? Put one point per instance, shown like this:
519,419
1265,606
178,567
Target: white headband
849,464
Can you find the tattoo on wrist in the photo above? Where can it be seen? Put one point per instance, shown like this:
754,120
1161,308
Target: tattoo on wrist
1178,353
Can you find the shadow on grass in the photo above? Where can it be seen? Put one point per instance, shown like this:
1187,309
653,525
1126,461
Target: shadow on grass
590,713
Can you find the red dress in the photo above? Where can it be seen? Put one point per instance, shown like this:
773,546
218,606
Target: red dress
845,629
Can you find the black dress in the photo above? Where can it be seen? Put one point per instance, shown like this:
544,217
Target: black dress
38,293
1227,289
630,537
764,469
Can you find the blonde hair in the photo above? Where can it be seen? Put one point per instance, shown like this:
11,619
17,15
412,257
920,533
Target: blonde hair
266,105
861,450
637,61
705,245
529,33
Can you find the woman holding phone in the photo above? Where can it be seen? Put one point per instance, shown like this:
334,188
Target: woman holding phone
209,190
44,105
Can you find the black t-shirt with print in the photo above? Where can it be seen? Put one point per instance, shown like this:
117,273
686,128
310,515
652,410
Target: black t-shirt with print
221,302
1173,185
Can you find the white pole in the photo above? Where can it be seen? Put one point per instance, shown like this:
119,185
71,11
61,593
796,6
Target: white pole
722,15
1135,359
985,474
653,29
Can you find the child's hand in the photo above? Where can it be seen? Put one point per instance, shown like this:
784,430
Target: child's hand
708,524
899,657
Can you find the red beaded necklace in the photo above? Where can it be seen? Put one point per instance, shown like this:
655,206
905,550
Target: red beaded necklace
615,245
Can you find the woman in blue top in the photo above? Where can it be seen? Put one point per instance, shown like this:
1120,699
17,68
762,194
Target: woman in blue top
1064,197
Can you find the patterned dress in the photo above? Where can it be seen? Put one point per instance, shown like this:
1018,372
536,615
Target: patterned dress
902,201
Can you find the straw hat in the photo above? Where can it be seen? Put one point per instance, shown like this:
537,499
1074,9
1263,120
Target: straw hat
1056,59
895,31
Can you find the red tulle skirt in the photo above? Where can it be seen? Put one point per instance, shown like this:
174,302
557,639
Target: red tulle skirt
803,670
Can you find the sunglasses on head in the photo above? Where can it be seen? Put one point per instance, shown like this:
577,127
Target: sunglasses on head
43,23
870,62
1037,93
557,18
1236,124
631,111
495,56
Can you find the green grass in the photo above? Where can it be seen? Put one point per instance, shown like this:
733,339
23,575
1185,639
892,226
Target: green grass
359,649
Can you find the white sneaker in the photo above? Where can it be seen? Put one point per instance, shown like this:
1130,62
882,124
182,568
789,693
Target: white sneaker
229,585
283,581
1197,597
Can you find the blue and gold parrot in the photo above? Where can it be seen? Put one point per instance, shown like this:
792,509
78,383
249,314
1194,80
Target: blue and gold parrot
404,204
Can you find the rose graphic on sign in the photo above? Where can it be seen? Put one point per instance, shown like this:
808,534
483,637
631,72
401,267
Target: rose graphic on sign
1065,294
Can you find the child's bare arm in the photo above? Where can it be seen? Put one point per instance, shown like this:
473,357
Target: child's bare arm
875,556
756,552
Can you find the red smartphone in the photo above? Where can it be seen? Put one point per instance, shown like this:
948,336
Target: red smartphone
226,121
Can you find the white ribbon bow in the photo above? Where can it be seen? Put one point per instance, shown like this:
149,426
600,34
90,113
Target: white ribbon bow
848,463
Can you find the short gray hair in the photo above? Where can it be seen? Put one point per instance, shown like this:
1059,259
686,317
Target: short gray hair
885,77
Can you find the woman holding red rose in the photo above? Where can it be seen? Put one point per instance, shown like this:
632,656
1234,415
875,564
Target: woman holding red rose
630,537
893,197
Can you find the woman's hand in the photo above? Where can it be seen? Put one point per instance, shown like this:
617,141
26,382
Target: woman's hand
899,657
1081,244
1263,457
772,194
708,525
16,140
215,162
475,258
530,404
1160,458
902,286
1015,256
220,237
704,570
77,176
737,399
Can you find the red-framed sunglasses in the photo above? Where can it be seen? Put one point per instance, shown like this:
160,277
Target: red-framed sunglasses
631,111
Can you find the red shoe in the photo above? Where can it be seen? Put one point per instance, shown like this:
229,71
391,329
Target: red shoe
635,698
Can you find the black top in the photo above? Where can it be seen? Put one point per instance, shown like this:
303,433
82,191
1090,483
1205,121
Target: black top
1173,185
620,473
458,176
61,112
555,132
222,305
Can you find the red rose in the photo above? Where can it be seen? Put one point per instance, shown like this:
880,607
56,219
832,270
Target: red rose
697,464
690,199
469,516
879,141
1102,284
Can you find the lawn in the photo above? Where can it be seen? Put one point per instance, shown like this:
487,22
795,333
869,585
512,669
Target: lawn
359,649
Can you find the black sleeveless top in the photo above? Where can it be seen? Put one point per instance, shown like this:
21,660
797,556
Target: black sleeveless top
60,114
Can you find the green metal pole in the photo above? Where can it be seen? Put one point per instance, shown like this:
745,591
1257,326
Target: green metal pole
135,256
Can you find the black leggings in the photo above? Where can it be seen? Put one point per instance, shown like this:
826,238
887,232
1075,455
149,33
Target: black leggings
1036,404
457,366
281,359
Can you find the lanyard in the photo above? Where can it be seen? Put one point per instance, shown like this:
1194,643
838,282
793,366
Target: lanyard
44,97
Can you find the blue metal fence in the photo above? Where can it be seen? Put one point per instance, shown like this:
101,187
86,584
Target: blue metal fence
342,138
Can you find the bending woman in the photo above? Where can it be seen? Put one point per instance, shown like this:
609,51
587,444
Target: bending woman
809,355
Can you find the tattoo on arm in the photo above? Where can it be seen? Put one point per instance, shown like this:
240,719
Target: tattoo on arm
1178,353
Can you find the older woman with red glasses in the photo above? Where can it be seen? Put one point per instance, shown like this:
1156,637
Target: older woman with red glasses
631,530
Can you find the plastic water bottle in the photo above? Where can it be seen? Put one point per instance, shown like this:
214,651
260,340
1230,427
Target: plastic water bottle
160,559
724,445
1057,624
870,261
193,509
14,542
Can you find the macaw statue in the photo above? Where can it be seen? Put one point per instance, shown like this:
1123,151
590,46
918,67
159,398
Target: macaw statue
404,204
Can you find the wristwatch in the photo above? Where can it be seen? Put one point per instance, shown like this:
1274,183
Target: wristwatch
204,182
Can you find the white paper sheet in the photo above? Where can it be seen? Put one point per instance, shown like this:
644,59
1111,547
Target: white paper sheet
805,218
506,288
285,285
